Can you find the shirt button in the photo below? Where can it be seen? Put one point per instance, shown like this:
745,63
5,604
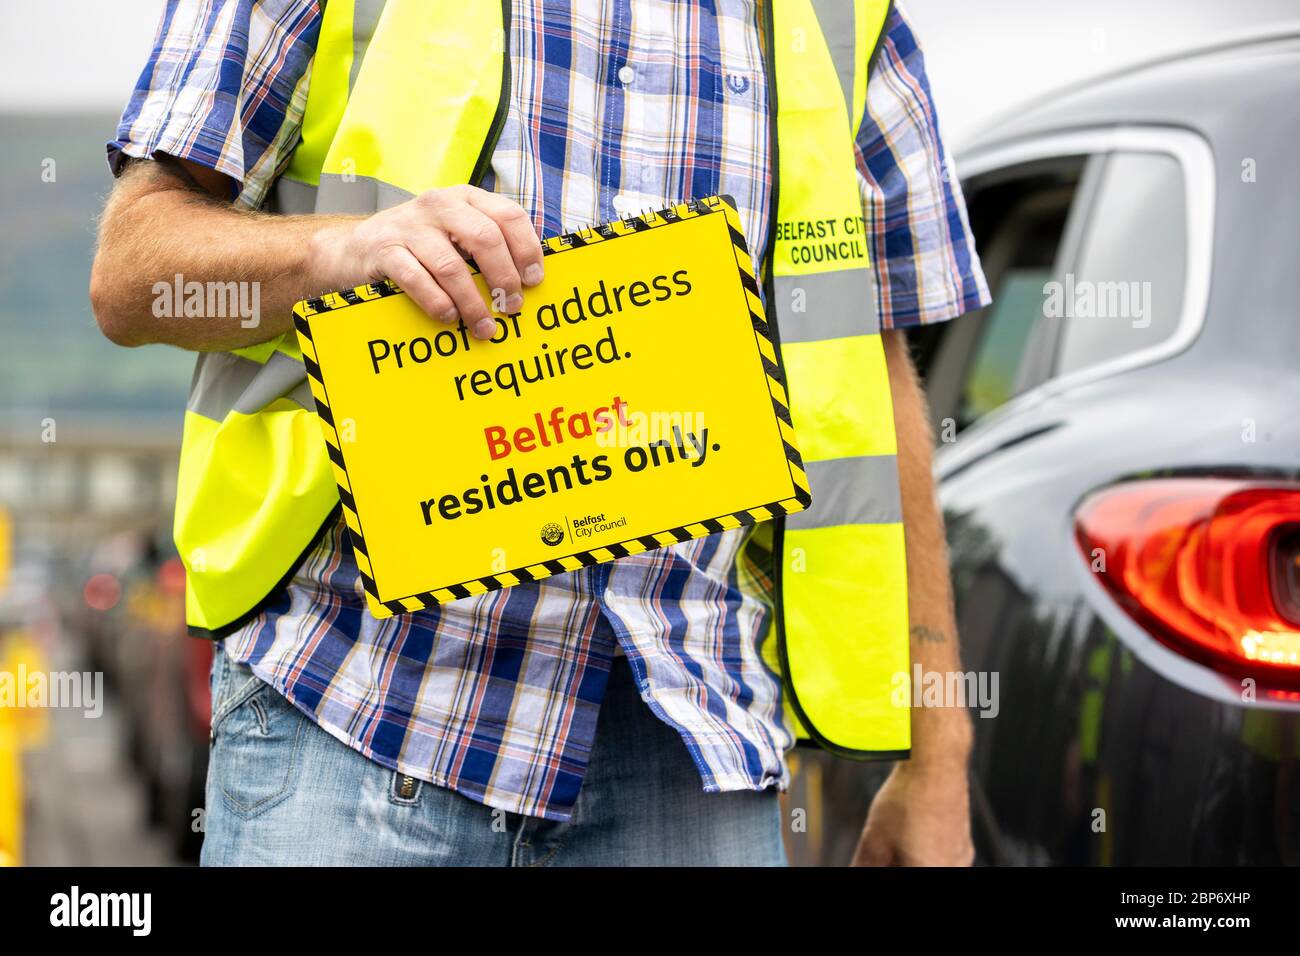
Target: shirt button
626,75
647,175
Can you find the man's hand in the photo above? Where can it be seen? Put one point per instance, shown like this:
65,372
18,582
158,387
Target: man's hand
419,245
920,817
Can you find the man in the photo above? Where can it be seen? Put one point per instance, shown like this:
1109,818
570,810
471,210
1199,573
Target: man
623,713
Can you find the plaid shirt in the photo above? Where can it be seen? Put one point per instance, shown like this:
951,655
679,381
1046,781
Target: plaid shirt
615,106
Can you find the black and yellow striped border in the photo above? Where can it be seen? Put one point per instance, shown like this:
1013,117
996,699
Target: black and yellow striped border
554,245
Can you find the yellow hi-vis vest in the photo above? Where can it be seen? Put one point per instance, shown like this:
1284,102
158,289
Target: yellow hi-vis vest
410,95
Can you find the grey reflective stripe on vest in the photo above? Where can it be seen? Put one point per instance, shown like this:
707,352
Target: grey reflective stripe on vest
860,490
225,382
836,19
344,195
359,195
825,305
292,198
365,17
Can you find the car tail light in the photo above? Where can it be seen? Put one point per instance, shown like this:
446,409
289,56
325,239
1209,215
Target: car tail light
1209,566
171,577
102,592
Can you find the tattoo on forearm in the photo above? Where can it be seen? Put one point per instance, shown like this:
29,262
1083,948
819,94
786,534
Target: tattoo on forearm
928,635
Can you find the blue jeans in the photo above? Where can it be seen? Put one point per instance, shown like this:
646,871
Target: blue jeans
281,791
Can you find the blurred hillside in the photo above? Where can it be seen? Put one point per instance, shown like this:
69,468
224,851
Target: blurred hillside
53,361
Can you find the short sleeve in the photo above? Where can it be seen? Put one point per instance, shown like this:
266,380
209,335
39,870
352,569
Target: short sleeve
927,268
225,87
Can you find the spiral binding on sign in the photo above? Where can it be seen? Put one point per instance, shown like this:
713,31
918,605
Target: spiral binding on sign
585,236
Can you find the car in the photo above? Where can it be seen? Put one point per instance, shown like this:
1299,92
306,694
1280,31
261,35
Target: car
1118,461
132,617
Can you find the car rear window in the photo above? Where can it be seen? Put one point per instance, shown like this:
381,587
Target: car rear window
1126,292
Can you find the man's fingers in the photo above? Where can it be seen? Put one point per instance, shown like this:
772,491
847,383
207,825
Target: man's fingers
423,244
481,236
443,262
521,237
400,264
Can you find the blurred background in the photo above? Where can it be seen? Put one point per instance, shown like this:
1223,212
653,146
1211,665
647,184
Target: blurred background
89,432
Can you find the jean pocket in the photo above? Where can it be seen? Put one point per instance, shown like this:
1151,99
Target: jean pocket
256,745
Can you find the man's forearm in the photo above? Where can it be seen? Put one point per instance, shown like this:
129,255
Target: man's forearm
158,225
940,736
164,220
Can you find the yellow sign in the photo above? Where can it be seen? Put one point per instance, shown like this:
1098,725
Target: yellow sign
635,401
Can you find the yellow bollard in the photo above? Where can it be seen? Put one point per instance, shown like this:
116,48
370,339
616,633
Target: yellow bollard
11,736
24,659
11,787
21,728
